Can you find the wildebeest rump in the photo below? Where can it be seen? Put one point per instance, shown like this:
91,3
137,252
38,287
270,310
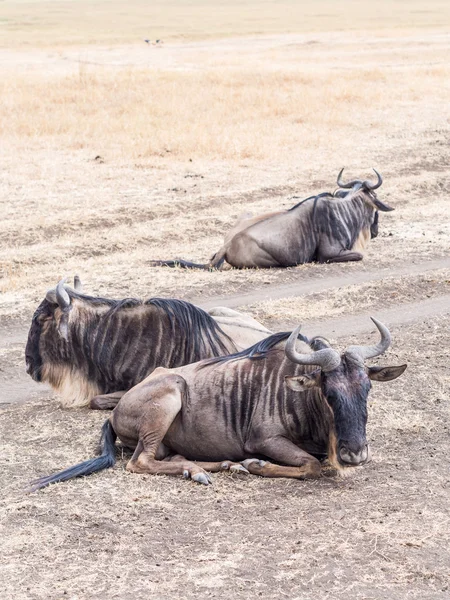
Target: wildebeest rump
323,228
87,347
293,404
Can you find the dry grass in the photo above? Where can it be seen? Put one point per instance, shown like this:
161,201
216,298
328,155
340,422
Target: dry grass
220,113
28,23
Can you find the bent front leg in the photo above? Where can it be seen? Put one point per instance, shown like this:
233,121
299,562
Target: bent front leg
224,465
173,465
106,401
299,464
332,251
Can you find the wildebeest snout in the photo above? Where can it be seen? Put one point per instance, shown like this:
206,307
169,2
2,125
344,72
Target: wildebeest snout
359,457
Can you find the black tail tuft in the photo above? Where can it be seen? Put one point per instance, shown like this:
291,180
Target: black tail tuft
106,460
182,264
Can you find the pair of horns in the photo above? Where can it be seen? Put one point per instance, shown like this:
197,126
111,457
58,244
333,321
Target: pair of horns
60,294
328,358
367,184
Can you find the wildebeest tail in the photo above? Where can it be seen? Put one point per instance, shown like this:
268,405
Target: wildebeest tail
106,460
182,264
215,264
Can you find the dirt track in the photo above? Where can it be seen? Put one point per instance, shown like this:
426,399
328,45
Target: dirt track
323,284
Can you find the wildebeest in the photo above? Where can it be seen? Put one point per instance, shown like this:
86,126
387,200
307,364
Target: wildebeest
323,228
292,404
95,349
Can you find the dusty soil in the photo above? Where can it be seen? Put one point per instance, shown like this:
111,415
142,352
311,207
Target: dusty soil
381,533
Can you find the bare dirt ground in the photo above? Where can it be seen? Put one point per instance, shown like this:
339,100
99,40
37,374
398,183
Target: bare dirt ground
114,154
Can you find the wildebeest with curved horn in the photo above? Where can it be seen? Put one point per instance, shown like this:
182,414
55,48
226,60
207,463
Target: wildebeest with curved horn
323,228
95,349
293,405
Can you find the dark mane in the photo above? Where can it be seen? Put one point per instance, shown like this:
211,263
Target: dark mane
194,321
198,327
322,195
255,352
96,301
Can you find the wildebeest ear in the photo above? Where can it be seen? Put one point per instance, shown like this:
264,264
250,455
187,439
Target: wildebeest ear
385,373
381,205
51,296
301,383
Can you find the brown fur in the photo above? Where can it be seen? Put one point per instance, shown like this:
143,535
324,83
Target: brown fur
95,347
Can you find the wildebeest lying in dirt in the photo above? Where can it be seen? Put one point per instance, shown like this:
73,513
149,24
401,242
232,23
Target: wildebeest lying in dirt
293,404
323,228
95,349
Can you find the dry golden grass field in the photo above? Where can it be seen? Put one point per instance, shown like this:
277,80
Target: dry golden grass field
115,152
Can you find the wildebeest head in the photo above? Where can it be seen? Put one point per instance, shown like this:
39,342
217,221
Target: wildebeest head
344,381
366,186
51,321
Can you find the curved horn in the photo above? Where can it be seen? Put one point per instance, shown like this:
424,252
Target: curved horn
77,283
62,297
340,183
327,358
365,352
348,185
373,186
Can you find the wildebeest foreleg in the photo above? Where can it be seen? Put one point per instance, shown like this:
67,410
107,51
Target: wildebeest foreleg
224,465
106,401
175,465
301,465
264,468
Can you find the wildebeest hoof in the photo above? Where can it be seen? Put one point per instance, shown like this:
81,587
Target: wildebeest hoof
233,467
202,478
248,461
186,474
239,469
